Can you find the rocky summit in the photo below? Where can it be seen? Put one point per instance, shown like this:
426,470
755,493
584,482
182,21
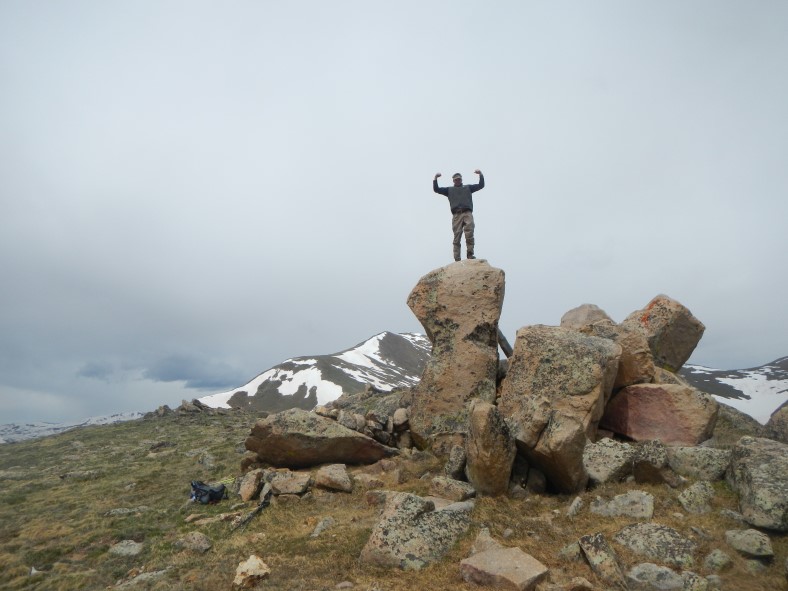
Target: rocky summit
581,462
589,403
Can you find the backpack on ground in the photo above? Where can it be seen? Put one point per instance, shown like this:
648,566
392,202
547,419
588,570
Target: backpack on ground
204,493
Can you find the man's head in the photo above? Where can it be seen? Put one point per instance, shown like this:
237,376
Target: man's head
457,178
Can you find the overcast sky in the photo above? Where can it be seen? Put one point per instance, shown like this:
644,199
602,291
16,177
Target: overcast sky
192,192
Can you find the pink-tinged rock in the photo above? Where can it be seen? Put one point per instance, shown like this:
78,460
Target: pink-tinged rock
676,415
459,306
671,330
507,568
490,450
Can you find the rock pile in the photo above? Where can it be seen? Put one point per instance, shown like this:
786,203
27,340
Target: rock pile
587,402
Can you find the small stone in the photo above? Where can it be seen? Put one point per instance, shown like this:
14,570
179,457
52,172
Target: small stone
195,541
126,548
250,572
717,561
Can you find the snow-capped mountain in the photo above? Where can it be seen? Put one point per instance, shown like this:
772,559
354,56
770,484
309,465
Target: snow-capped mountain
12,432
385,361
757,391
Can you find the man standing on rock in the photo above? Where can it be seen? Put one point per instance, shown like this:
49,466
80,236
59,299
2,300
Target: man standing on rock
461,204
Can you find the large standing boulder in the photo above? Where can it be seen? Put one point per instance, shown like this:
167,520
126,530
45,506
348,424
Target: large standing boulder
671,329
758,472
553,397
676,415
297,438
490,450
459,307
411,532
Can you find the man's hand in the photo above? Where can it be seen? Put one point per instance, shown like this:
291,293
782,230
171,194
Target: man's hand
437,174
477,171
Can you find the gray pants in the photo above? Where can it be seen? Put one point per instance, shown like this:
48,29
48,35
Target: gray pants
463,222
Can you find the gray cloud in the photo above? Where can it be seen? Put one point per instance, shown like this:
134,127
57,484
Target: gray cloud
197,197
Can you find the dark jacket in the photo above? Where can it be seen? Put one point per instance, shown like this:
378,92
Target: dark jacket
460,198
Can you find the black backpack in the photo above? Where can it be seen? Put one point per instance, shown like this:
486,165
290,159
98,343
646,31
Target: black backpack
207,494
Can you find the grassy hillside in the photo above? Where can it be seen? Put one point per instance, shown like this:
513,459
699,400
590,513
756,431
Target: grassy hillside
58,494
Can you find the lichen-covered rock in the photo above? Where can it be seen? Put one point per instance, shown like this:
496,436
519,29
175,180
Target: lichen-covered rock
490,450
699,463
658,542
411,533
635,504
636,365
777,426
553,397
650,577
454,490
459,307
608,460
750,542
603,560
696,498
758,472
297,438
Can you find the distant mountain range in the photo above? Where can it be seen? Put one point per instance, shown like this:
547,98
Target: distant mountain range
13,432
757,391
388,360
385,361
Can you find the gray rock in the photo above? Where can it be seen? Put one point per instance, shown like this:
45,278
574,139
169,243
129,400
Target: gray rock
651,577
635,504
694,582
608,461
448,488
126,548
455,464
717,561
575,507
759,474
195,542
733,516
603,560
411,533
750,542
696,498
699,463
658,542
322,526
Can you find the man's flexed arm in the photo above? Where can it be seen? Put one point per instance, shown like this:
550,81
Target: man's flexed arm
480,184
436,188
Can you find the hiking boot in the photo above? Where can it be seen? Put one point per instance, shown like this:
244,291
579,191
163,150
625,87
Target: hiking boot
470,256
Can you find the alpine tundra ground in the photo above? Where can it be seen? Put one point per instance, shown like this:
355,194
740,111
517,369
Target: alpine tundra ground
66,500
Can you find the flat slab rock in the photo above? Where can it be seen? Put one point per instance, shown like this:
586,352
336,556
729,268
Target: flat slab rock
298,438
503,567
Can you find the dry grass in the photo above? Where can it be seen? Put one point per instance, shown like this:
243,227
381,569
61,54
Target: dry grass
55,494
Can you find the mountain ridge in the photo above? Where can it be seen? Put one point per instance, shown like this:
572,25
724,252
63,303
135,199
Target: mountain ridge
390,360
